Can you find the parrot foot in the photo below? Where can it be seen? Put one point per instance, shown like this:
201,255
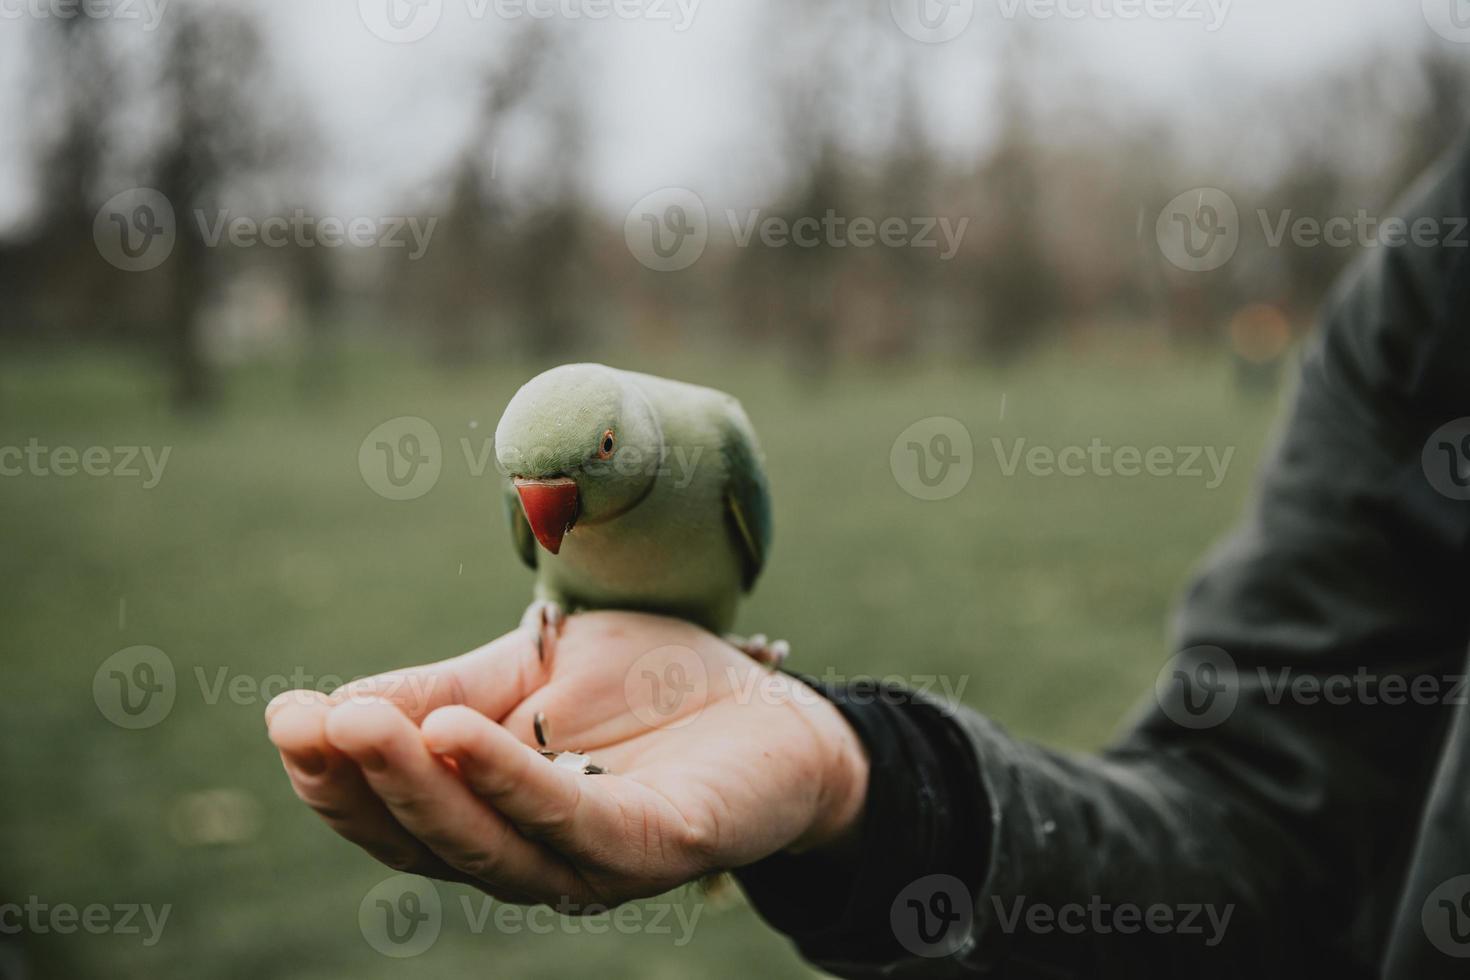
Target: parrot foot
772,653
545,619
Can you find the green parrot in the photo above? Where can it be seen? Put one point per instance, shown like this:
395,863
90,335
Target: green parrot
627,491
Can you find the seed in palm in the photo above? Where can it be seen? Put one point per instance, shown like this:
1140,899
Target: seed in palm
575,760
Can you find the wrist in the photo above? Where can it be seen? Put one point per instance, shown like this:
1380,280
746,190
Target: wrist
842,779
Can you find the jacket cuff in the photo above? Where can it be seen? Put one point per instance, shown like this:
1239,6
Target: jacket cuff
926,813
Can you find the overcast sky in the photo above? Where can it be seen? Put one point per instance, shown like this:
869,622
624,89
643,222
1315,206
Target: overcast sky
674,103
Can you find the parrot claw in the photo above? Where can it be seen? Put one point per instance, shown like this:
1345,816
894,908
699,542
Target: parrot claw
771,653
545,619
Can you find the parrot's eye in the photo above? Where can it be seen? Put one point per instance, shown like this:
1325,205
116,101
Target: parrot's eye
605,448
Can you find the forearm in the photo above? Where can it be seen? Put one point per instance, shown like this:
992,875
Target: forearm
1102,866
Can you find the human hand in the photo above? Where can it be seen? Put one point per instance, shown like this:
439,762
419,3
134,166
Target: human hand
713,763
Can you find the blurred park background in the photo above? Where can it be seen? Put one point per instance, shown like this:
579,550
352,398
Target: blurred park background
265,553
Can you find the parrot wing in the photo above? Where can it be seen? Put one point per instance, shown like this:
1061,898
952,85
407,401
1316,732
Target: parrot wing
520,528
747,496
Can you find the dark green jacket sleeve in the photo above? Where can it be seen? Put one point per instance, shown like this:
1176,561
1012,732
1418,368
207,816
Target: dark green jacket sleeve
1262,817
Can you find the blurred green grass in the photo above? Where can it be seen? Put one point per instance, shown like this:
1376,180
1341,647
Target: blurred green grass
262,552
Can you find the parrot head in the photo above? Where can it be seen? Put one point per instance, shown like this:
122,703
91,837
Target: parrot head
581,445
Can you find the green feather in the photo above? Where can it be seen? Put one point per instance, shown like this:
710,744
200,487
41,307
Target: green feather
747,499
520,528
677,522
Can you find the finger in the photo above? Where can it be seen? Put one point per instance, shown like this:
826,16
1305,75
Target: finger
435,806
492,679
572,812
291,721
305,697
331,784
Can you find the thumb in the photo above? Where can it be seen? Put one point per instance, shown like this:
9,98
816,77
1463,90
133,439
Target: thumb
491,679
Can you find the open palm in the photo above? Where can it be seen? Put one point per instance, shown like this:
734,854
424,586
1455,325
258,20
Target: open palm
712,762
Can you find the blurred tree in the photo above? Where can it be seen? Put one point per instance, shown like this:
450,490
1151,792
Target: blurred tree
906,185
316,290
54,282
512,258
792,292
1057,198
1015,284
218,133
546,262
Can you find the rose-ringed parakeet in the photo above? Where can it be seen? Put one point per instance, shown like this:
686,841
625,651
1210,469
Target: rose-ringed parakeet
627,491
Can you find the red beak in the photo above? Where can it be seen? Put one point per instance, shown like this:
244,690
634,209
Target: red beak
551,508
